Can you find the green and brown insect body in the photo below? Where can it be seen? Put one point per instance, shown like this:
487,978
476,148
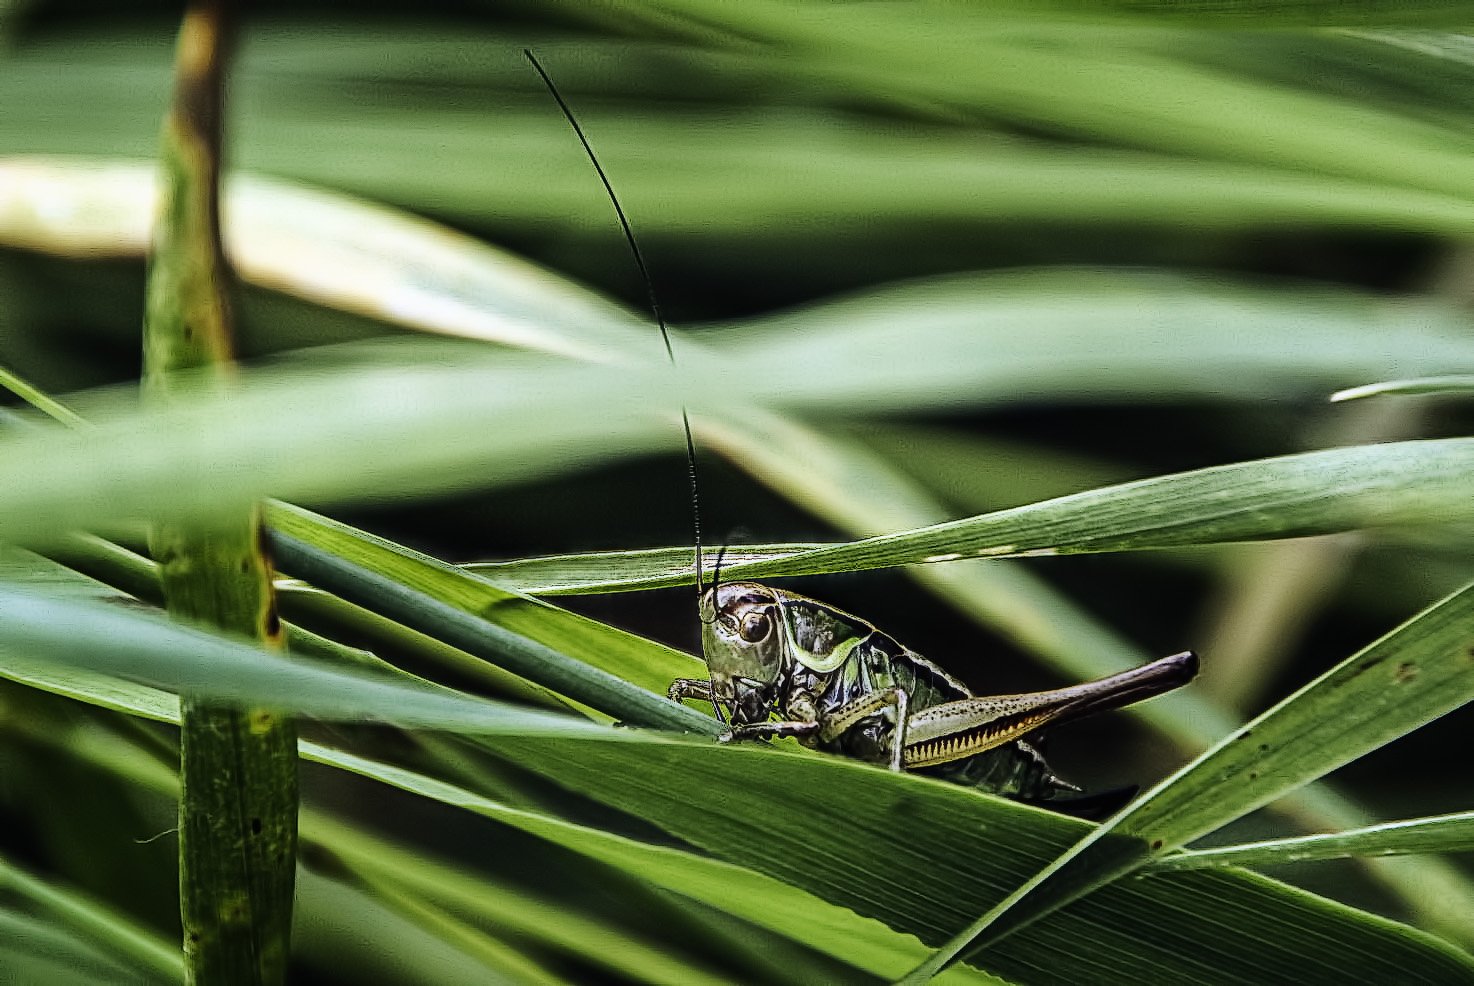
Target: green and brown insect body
838,684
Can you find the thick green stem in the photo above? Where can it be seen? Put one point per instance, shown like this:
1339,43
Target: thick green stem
238,812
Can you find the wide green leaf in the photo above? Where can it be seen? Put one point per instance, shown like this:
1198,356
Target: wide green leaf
839,817
847,833
1409,677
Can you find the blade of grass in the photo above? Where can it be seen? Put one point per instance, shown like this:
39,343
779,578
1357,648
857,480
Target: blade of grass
1394,484
1439,834
33,950
1450,384
762,900
71,637
500,960
447,621
475,893
101,924
631,658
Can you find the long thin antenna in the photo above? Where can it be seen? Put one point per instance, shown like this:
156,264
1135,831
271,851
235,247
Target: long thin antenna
629,236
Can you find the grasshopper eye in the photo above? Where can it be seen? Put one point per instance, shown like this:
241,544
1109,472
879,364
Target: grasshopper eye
756,626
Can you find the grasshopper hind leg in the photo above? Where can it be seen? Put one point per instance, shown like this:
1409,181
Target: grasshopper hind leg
848,727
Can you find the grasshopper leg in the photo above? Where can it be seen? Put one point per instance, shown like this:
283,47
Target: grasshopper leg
842,718
766,730
684,688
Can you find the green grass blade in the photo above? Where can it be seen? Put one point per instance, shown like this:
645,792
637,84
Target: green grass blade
1409,677
739,891
523,655
631,658
1129,93
1450,384
350,935
33,950
1440,834
46,638
1395,484
616,571
468,892
101,924
395,429
1094,336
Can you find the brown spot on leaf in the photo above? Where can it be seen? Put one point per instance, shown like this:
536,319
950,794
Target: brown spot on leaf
1406,671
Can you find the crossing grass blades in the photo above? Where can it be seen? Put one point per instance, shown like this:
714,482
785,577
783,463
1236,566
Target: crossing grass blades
838,684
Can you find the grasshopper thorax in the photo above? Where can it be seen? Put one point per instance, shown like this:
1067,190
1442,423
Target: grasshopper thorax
742,643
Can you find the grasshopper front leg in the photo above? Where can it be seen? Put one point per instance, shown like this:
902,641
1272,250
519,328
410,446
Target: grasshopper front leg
684,688
768,730
700,688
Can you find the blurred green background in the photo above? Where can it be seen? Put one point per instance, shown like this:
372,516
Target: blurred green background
774,155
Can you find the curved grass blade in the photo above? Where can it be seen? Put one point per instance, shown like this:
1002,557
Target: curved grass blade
1451,384
469,892
604,648
448,621
41,632
33,950
591,573
1392,485
137,576
1396,484
101,924
1409,677
1107,329
1131,93
1438,834
1094,336
767,902
319,433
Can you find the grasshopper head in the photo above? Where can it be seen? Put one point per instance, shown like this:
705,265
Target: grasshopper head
743,646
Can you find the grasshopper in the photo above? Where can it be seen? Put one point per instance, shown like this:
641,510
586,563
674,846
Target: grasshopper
838,684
